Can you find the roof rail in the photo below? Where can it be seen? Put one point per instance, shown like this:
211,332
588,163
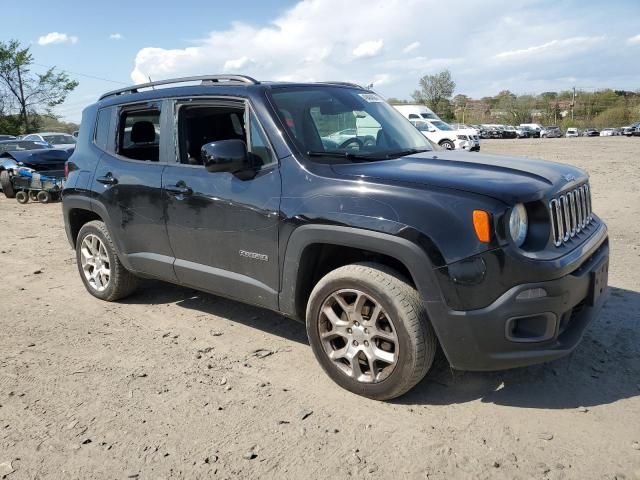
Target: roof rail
204,79
346,84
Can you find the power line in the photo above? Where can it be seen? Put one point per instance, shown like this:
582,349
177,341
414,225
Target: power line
84,75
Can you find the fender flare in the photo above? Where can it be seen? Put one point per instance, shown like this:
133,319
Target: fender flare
82,202
413,257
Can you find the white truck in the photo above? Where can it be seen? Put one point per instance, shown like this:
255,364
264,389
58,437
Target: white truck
439,132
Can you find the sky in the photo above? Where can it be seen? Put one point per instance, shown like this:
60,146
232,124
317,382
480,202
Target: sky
491,45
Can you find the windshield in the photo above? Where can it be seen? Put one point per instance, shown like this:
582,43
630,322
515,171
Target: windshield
59,139
440,125
343,122
429,116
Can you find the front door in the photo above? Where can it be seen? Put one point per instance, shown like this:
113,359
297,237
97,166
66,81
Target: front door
223,229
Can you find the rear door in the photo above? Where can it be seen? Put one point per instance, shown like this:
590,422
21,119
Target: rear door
223,229
127,186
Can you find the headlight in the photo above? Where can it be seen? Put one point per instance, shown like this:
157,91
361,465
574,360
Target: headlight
518,224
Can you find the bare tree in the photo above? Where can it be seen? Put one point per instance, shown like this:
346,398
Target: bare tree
33,93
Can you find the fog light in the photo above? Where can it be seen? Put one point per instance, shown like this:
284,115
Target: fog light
531,294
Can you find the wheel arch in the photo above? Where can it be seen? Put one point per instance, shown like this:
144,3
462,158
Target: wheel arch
314,250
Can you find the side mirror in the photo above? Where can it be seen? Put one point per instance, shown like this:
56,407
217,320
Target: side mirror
225,156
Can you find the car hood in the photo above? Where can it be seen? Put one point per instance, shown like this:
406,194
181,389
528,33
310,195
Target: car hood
509,179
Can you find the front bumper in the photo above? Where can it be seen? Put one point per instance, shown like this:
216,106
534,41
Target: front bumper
516,331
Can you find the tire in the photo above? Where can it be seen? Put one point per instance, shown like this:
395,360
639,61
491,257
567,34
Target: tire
7,186
401,317
447,145
115,285
22,197
33,195
44,197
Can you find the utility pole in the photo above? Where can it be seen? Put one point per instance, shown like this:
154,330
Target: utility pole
573,102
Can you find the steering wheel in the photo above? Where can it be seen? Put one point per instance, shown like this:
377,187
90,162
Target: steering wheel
354,140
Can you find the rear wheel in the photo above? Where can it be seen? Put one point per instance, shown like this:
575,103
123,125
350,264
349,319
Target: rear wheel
100,269
369,331
33,195
7,186
22,197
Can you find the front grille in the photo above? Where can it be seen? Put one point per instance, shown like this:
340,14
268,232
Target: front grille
570,214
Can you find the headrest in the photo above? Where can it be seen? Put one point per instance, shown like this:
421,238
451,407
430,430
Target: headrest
143,132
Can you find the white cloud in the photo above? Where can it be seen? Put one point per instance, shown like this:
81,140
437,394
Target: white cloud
635,40
521,48
567,45
56,37
411,47
115,36
368,49
237,64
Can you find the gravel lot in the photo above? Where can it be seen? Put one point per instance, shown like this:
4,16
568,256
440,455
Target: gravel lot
173,383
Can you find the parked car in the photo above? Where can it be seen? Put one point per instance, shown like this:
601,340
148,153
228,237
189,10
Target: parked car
590,132
532,132
629,131
509,131
572,132
385,252
551,132
7,137
522,132
17,145
48,161
438,132
58,140
608,132
535,129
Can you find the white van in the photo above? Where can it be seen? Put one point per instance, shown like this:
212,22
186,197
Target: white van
416,112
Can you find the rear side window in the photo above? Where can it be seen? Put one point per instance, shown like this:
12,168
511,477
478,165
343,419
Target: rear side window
139,134
101,137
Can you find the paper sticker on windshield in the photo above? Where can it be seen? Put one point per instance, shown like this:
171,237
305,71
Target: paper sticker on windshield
371,97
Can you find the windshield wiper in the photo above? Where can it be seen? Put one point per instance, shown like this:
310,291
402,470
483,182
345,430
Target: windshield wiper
347,155
408,151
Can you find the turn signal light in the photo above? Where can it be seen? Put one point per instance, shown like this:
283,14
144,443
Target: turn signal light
481,225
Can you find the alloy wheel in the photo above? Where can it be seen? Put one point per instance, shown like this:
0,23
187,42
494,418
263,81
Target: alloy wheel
358,336
95,262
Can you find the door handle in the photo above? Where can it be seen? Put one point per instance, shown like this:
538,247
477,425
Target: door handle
108,179
179,190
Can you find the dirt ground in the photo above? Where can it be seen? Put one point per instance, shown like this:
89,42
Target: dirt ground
173,383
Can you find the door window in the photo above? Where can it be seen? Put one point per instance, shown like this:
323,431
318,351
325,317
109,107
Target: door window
206,123
139,134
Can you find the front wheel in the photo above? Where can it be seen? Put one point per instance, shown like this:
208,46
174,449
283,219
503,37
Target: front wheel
101,271
447,145
369,331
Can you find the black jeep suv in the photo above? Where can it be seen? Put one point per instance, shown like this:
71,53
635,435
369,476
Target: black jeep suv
265,193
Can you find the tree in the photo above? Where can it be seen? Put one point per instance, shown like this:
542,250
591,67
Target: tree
460,103
31,93
435,91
